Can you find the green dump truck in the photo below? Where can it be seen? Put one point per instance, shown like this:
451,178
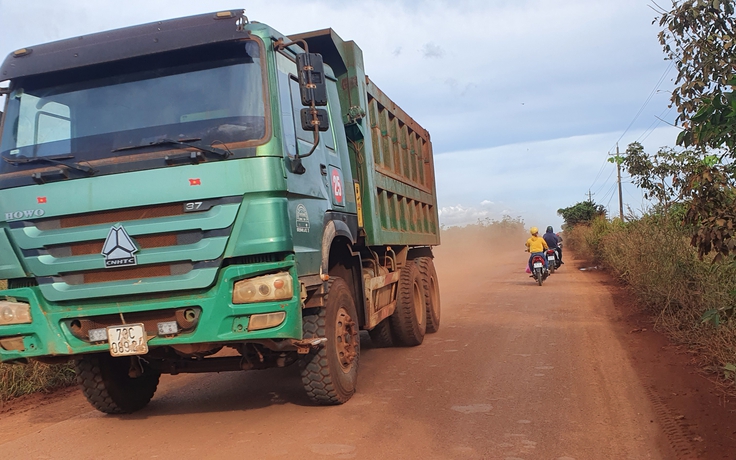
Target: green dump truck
205,194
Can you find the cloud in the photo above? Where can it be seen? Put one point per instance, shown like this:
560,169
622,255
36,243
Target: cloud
432,50
535,179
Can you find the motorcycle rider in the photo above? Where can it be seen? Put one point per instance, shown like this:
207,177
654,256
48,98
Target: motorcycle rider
553,241
536,246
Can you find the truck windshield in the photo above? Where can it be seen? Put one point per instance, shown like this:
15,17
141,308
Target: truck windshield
212,93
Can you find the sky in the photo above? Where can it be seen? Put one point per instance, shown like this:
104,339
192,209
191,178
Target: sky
524,99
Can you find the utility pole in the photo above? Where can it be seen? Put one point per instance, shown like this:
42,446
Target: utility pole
590,196
620,195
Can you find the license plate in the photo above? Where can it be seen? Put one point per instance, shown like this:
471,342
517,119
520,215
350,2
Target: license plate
551,258
127,340
538,265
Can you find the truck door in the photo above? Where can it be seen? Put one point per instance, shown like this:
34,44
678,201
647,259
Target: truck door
327,184
308,192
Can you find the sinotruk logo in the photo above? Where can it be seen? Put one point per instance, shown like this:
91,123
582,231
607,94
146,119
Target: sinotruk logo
119,249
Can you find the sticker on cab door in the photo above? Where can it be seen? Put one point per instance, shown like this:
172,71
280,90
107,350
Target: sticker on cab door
338,191
302,219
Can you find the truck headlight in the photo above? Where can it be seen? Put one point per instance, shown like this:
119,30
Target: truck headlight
278,286
14,312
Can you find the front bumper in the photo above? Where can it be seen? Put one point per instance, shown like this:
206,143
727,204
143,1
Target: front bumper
220,320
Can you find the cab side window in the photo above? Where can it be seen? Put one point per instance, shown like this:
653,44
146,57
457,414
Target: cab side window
286,68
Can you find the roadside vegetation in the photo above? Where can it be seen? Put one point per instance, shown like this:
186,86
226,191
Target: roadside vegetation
18,380
679,258
691,300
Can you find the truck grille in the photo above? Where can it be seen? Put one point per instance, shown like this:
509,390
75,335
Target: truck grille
143,242
133,273
64,254
112,216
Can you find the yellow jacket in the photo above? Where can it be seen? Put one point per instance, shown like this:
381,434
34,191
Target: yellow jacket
536,244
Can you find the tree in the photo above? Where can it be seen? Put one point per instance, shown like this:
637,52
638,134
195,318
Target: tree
581,213
664,175
699,36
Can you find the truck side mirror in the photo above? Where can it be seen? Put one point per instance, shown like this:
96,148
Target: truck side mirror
311,79
308,121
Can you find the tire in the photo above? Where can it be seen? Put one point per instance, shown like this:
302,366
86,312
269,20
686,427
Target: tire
539,276
409,320
330,374
551,267
431,292
381,335
108,387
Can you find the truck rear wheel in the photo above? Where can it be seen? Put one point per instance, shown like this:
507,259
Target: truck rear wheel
431,292
409,321
381,335
330,374
108,386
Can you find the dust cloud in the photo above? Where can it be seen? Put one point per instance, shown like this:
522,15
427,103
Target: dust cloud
471,250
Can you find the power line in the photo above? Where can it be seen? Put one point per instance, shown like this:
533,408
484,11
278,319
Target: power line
633,198
653,126
605,182
611,191
649,98
641,109
603,166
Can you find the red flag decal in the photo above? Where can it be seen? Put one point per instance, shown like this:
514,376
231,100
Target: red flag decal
195,182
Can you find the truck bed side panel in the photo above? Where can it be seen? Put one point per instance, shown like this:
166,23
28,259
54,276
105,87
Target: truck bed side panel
403,205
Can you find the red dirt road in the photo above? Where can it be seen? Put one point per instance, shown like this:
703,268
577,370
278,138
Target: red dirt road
516,371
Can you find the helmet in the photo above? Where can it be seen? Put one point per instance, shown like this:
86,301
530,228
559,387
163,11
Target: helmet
534,230
549,229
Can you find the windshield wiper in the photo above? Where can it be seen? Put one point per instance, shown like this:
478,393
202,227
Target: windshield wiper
185,142
57,160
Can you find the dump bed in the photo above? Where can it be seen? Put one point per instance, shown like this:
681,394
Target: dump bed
391,154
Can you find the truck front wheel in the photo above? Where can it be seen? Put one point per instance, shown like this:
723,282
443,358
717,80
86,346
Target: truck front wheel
330,374
108,386
409,320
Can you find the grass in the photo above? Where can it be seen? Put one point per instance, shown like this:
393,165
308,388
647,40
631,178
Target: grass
652,255
22,379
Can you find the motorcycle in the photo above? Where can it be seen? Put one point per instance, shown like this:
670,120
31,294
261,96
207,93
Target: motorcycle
553,260
539,271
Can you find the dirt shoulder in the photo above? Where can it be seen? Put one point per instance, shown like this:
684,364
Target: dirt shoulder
698,418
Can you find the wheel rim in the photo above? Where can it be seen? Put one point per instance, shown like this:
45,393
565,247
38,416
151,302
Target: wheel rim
346,340
418,303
